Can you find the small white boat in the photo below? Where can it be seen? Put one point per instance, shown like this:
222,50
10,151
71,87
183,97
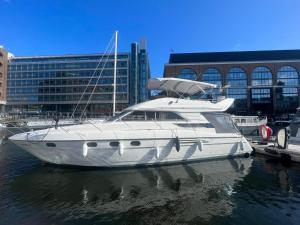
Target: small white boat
165,130
248,125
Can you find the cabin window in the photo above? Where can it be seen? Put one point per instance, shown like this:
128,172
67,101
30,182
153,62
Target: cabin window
92,144
114,143
221,122
150,115
168,116
135,143
195,125
147,116
51,144
135,115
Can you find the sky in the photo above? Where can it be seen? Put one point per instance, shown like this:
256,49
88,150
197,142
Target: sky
54,27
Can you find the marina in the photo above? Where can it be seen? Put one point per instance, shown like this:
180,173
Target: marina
226,191
149,112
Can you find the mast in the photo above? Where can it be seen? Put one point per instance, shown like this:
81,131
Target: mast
115,74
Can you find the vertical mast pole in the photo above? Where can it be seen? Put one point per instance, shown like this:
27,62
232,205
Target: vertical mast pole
115,74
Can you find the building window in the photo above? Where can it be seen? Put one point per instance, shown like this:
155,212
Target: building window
1,75
287,91
212,76
287,75
236,78
188,74
261,76
262,95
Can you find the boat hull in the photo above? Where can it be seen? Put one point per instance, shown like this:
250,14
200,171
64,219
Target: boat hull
148,152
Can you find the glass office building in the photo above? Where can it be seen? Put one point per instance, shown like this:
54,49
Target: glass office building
265,81
59,83
140,74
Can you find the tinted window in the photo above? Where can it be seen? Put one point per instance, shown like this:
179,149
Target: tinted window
150,115
136,116
168,116
222,122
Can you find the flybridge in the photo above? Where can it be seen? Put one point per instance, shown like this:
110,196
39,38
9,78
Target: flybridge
180,86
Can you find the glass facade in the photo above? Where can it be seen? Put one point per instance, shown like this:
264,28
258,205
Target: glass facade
261,76
140,74
287,88
57,83
261,95
188,74
236,78
213,76
144,75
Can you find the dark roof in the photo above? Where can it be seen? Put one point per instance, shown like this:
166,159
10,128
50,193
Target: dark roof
240,56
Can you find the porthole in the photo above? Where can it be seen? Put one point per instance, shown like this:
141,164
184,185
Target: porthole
51,144
135,143
114,143
92,144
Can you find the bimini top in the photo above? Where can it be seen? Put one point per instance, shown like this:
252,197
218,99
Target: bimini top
177,85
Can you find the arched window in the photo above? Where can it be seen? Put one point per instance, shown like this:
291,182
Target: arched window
188,74
261,76
237,79
287,91
287,75
212,76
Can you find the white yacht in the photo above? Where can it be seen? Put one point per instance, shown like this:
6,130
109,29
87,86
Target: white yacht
164,130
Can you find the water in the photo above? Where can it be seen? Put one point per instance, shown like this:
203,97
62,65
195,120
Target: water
255,190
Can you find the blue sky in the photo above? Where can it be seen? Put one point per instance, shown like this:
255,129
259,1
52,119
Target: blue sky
43,27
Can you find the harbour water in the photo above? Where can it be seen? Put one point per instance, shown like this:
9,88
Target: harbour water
254,190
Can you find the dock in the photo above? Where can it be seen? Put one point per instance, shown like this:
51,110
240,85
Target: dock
292,153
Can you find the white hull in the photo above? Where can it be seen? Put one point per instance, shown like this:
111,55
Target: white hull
151,151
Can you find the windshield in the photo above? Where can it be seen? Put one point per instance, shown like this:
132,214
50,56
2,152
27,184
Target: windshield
116,117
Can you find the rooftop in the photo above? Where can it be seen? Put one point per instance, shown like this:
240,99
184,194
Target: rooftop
238,56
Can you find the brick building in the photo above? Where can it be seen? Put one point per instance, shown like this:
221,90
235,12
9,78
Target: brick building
266,81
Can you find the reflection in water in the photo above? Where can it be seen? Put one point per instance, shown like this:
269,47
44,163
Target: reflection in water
190,190
231,191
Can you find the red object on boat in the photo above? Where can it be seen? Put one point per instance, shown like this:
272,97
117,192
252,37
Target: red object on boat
265,133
